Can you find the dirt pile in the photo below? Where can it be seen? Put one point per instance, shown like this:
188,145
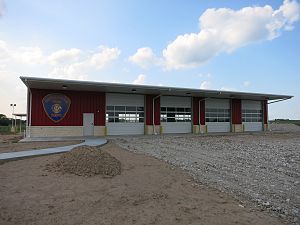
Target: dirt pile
86,161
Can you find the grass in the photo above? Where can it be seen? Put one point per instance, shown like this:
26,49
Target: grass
4,129
7,129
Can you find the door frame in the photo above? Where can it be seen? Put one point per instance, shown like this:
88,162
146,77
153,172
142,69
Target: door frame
84,122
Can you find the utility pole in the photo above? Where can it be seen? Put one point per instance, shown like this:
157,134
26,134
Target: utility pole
13,105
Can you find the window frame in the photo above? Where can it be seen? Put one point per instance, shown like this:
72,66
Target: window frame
217,115
175,114
124,114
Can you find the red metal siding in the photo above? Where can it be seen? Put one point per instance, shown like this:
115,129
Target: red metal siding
202,111
149,110
81,102
196,110
236,110
265,111
157,111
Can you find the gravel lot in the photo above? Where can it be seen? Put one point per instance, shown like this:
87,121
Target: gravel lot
261,170
284,127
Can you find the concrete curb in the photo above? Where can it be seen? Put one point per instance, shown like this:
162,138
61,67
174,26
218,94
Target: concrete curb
48,151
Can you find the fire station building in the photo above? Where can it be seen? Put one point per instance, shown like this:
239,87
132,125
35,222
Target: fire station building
58,107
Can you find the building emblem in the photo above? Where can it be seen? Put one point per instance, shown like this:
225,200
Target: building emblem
56,106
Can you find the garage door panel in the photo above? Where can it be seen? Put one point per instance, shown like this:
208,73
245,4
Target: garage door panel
173,128
217,115
252,126
217,103
174,101
124,99
176,114
125,128
213,127
250,104
252,115
124,114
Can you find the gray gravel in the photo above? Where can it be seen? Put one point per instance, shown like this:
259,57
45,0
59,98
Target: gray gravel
284,127
261,170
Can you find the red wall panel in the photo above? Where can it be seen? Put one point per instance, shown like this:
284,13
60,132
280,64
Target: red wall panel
148,105
149,110
157,111
196,110
236,111
202,111
81,102
265,111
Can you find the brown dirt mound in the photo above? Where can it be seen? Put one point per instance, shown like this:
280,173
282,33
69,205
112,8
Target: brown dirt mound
87,161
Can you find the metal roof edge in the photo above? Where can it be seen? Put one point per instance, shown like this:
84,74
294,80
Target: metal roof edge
25,80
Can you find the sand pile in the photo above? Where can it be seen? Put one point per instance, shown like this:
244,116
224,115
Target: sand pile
87,161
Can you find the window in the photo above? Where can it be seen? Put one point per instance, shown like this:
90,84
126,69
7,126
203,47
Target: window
175,114
252,115
124,114
217,115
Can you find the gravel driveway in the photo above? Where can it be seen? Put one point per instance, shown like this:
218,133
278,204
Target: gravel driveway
259,169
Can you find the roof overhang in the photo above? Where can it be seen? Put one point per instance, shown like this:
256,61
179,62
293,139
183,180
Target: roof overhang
19,114
76,85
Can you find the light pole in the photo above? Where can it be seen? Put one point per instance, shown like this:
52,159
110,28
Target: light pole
13,105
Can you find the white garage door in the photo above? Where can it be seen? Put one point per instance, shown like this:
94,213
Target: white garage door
252,115
217,115
124,114
175,114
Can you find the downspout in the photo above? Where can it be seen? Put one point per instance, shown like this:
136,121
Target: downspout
199,116
27,111
153,111
30,109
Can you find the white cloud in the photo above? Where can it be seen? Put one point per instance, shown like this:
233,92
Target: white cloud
224,30
25,55
247,83
29,55
75,64
228,89
64,55
205,85
105,56
73,71
140,79
144,57
4,52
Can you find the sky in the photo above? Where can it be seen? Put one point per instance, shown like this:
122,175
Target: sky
248,46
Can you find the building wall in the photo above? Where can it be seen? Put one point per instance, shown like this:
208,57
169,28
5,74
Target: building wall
149,110
265,111
236,111
95,102
265,115
81,102
198,116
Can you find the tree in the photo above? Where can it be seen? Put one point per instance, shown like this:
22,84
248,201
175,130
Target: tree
4,121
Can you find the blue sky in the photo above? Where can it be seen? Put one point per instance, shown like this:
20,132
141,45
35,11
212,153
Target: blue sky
153,42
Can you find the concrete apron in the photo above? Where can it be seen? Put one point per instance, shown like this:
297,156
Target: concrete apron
47,151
